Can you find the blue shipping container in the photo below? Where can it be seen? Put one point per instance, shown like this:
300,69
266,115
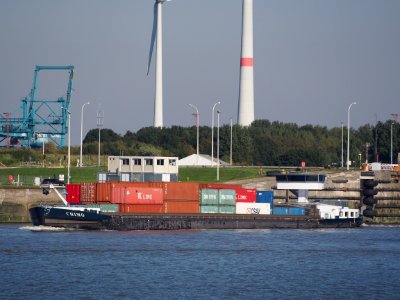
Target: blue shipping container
281,211
265,197
297,211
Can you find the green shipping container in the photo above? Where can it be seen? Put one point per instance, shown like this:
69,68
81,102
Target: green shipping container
106,208
209,209
209,197
227,197
227,209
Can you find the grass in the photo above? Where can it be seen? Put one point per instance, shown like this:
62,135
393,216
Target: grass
89,174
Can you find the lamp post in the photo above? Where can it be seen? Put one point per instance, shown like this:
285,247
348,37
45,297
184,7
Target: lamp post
69,143
341,162
197,125
100,117
231,145
212,134
348,134
80,153
218,112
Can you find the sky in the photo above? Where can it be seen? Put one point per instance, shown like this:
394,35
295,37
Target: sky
312,58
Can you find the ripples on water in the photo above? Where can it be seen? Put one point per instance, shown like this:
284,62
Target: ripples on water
53,263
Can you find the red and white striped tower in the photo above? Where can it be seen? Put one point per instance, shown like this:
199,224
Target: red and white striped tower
246,92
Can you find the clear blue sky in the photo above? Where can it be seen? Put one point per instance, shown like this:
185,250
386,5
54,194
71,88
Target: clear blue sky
312,59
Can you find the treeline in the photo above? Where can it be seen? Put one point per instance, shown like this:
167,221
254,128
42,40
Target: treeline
262,143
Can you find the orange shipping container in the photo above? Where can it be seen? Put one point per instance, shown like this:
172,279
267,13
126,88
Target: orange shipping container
141,208
88,192
181,190
103,192
179,206
143,196
118,195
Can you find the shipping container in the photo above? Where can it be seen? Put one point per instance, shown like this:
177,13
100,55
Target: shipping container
219,186
226,209
103,192
209,209
227,197
141,208
281,210
73,193
138,195
209,197
118,195
265,197
181,190
246,195
106,208
253,208
88,192
296,211
181,206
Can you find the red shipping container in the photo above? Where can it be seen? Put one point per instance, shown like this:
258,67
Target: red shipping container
143,196
181,190
73,193
179,206
246,195
141,208
88,192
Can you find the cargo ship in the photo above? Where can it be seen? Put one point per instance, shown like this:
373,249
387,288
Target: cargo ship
184,206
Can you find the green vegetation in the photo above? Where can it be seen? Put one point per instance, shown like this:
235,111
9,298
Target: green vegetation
210,174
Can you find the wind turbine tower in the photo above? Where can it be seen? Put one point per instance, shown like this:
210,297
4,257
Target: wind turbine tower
246,92
157,35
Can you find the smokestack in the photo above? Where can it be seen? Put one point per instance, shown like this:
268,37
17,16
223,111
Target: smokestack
246,92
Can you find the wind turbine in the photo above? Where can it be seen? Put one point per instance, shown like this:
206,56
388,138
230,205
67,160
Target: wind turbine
246,91
157,34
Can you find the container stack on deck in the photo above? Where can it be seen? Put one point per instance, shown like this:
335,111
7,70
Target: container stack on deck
171,198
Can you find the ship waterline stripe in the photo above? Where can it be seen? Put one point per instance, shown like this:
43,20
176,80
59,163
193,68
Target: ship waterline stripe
247,62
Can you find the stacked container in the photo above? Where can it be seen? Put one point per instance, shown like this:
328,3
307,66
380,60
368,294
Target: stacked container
247,208
88,193
181,197
265,197
218,201
246,195
73,193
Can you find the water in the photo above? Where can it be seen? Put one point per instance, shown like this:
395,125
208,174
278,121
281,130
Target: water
359,263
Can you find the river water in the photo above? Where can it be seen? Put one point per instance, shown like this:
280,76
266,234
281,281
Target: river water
48,263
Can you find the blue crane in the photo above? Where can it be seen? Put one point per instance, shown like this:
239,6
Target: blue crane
42,121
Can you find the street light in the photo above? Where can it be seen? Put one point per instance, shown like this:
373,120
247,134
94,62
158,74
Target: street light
100,119
69,143
231,145
341,162
348,134
197,124
218,112
212,134
80,156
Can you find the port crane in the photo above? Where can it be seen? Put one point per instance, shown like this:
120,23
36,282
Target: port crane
42,120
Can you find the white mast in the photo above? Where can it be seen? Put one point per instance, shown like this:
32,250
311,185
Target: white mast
246,92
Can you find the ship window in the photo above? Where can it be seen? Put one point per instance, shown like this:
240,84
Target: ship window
160,162
125,162
346,214
352,214
172,162
137,162
149,162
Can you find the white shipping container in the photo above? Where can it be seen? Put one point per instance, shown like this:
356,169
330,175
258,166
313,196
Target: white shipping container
247,208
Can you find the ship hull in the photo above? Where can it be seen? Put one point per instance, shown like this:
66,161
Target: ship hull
63,217
86,220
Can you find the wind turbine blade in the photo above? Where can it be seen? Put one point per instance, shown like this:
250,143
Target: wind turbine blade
153,36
